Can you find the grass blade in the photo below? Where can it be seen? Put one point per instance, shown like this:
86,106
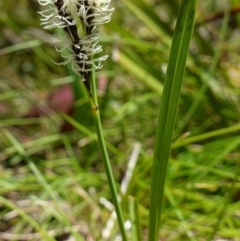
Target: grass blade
135,220
207,135
168,109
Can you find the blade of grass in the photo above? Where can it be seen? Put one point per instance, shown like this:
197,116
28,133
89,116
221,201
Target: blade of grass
39,143
168,109
133,68
146,14
135,219
210,72
20,46
205,136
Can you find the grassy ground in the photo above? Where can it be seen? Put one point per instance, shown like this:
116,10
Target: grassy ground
52,180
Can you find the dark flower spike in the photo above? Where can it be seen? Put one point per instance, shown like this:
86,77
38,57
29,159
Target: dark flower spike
79,19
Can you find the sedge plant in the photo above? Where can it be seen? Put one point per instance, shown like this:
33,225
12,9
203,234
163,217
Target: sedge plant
79,20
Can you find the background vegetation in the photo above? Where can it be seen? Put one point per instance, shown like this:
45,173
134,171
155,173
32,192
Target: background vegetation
52,180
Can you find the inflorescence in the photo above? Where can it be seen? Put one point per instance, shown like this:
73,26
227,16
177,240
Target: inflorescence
79,19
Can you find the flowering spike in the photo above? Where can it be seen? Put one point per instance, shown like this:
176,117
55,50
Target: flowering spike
79,19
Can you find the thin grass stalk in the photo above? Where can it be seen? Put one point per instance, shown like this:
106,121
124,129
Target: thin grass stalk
106,161
168,109
135,219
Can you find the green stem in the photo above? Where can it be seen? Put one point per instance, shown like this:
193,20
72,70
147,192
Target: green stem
168,109
103,149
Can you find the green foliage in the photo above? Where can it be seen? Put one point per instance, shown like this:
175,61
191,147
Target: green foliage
53,184
168,110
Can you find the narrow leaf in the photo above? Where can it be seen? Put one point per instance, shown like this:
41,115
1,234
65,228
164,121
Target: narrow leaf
168,110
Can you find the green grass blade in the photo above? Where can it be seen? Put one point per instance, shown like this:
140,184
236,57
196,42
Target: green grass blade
20,46
140,72
168,109
212,69
147,15
223,131
135,220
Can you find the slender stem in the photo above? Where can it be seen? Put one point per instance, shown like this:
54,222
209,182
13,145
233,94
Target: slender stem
103,149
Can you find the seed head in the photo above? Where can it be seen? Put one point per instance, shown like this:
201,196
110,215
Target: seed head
79,19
